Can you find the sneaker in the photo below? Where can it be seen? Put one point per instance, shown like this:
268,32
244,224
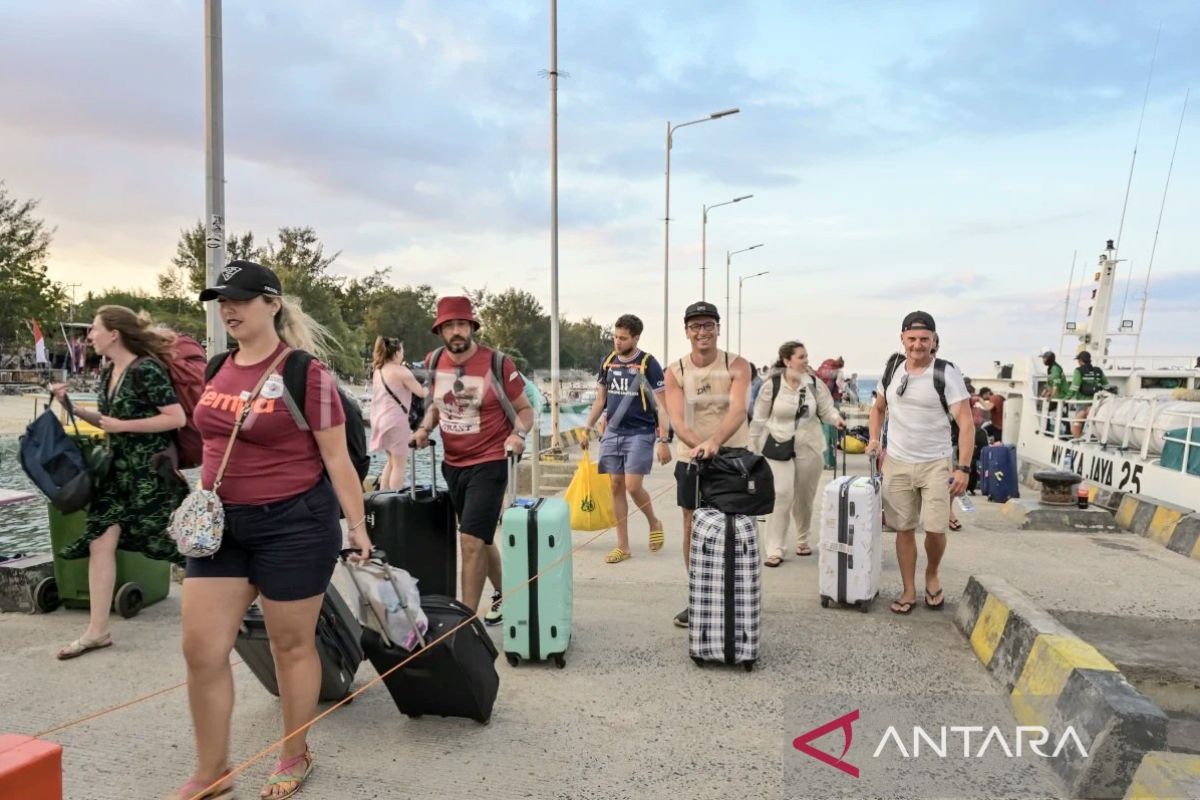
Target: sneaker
493,616
681,619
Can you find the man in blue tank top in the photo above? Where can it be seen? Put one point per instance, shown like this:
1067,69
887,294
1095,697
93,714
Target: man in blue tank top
629,392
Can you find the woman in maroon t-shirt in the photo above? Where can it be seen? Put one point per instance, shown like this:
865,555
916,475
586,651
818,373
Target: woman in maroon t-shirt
281,489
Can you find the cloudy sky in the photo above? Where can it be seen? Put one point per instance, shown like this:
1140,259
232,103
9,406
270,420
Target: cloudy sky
944,156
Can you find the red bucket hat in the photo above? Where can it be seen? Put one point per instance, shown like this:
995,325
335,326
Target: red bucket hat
449,308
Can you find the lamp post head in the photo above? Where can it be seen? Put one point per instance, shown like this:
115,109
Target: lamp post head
725,113
743,197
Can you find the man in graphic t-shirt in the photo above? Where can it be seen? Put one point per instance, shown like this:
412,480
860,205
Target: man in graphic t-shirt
483,415
629,393
918,484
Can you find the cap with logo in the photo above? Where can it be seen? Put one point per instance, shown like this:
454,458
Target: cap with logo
918,320
244,280
701,309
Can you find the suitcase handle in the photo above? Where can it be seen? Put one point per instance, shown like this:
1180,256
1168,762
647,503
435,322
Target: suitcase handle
379,557
412,468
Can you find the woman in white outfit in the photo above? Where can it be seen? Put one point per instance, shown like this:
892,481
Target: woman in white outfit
786,429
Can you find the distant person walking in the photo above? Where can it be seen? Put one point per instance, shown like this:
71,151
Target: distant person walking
918,395
629,393
131,506
787,431
393,387
706,399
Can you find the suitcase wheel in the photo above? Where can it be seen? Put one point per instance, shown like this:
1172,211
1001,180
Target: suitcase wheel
699,661
824,601
513,659
45,595
864,606
748,665
560,661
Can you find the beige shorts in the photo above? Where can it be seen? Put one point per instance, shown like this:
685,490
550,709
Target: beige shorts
915,493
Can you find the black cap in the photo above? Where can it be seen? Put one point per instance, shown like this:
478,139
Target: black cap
701,309
243,280
1084,356
918,320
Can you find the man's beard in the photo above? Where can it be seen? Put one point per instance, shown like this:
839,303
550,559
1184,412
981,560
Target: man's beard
459,344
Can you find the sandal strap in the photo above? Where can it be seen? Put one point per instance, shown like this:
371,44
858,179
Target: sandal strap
283,774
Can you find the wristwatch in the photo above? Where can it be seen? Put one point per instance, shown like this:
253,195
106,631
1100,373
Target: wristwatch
963,468
663,440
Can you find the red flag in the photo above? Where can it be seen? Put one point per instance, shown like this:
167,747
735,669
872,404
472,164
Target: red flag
39,343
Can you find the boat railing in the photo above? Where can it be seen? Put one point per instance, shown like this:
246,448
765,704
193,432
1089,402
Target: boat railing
1056,415
1127,362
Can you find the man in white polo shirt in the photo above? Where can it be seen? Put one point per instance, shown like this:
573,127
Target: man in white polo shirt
918,394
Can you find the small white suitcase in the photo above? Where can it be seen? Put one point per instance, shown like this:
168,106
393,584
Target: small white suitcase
851,547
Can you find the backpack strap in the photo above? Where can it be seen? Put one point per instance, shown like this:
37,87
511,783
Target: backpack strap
497,382
399,402
893,363
295,384
215,363
776,383
939,381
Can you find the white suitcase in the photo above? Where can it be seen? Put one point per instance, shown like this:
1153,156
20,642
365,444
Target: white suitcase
851,547
724,585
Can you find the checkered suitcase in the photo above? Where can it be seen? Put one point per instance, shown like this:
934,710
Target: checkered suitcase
724,586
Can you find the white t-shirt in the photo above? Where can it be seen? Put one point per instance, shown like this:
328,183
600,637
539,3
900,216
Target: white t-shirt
918,428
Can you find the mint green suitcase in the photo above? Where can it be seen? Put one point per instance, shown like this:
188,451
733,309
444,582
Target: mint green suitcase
535,537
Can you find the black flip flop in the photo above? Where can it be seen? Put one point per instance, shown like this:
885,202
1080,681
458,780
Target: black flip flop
934,596
908,610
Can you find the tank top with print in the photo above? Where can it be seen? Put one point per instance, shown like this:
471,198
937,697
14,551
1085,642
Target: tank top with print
706,399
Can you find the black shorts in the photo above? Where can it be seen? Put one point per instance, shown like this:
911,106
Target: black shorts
686,486
286,549
477,493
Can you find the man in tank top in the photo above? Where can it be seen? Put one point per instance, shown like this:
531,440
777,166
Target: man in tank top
706,399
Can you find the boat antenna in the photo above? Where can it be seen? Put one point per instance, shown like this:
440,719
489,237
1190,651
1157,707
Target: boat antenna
1062,334
1136,140
1158,225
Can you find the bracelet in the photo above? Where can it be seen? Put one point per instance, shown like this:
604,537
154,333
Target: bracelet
358,524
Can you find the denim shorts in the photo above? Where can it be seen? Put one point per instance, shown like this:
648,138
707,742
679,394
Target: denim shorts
626,453
286,549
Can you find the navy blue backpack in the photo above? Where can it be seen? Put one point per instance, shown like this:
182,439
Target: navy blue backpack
55,464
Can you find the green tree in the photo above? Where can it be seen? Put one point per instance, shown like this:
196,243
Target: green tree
26,292
513,320
186,276
583,345
406,314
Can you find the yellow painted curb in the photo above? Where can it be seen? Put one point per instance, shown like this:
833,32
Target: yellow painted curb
1125,512
1051,661
1166,775
1162,524
988,628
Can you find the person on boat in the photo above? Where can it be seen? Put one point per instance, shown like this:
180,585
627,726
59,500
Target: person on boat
629,394
393,387
130,506
1086,381
483,416
706,400
918,483
992,405
281,487
786,430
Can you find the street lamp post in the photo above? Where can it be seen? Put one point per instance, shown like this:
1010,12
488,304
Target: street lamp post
729,257
704,242
742,280
667,224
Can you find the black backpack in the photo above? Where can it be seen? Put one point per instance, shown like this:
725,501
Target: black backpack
737,481
295,381
55,464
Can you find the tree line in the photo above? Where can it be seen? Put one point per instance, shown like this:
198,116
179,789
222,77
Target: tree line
354,310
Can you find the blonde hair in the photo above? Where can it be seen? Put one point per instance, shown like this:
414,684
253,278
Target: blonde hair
300,331
138,332
385,350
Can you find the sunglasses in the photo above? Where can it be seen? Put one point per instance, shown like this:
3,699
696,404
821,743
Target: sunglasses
903,385
803,409
459,371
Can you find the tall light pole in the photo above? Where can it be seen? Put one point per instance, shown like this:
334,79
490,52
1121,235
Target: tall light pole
704,242
214,201
555,391
742,280
667,224
729,257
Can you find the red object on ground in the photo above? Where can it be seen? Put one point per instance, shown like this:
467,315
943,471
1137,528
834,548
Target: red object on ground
30,769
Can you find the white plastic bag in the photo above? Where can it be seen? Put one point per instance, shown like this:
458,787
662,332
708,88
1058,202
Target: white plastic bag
392,603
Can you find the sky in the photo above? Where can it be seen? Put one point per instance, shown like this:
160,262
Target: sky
953,157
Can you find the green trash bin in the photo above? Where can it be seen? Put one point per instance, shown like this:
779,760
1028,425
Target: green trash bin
140,582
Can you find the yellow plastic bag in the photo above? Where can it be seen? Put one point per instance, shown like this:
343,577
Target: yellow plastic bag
590,498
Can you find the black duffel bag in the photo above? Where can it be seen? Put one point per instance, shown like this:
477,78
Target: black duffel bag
737,481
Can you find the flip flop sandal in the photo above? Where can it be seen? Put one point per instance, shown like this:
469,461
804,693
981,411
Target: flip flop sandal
81,646
193,788
773,561
616,556
656,540
804,551
283,773
955,525
906,608
934,596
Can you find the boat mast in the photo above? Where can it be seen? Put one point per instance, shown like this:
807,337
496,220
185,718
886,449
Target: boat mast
1067,302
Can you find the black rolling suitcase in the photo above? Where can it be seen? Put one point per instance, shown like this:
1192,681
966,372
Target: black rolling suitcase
339,646
417,530
454,677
